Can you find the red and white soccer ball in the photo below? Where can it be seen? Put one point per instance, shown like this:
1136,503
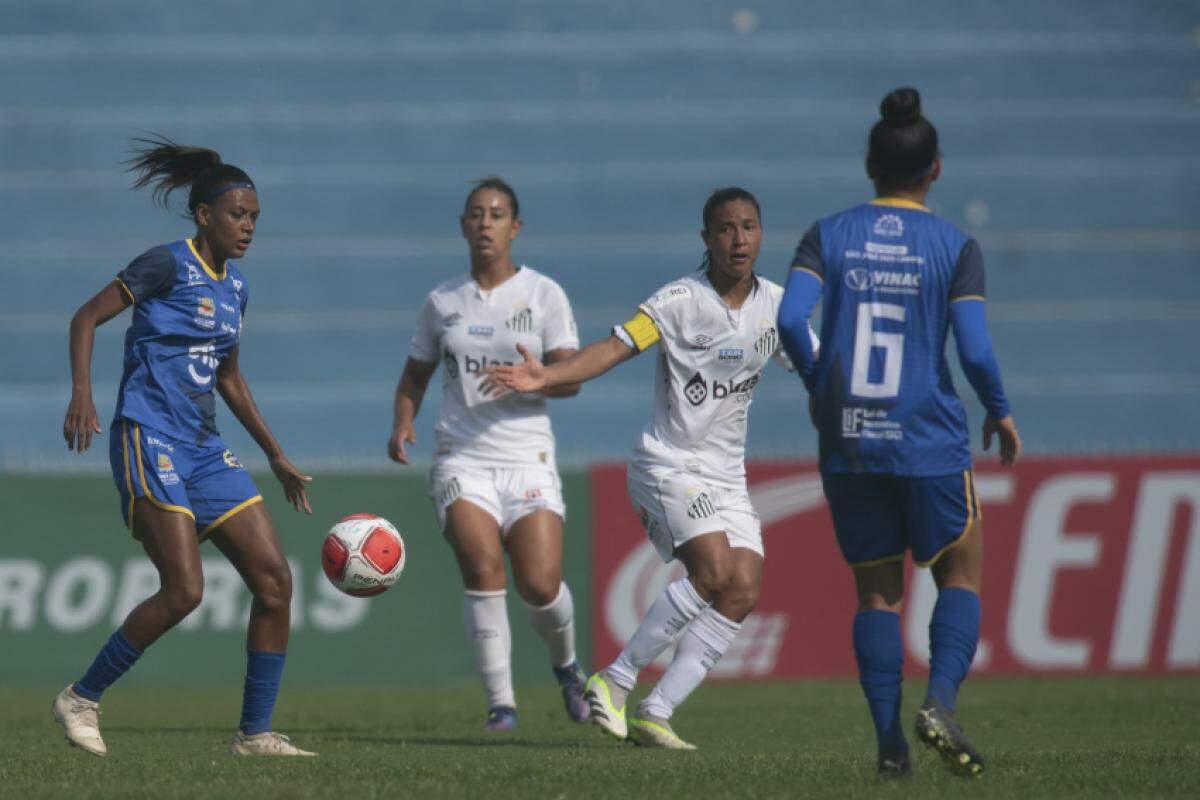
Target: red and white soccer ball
363,555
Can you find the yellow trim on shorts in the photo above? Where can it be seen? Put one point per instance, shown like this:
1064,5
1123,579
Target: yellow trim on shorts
242,506
128,475
125,286
972,517
211,272
978,297
875,562
642,330
898,202
137,445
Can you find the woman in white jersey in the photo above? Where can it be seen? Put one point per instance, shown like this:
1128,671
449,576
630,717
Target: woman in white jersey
494,483
687,477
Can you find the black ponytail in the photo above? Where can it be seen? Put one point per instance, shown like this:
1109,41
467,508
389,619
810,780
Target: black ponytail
903,144
718,198
168,166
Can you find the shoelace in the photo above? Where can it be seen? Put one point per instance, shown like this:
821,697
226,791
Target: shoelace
89,712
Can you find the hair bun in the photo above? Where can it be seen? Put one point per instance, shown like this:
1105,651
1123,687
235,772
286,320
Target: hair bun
901,106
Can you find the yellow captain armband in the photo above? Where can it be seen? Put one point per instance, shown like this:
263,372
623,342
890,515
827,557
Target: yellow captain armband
642,330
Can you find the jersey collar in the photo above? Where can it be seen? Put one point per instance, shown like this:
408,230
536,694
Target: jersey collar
211,272
898,202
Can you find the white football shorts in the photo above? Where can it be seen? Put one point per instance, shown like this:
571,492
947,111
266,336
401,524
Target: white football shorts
507,493
676,506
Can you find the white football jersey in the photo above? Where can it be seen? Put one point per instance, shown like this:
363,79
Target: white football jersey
710,358
468,328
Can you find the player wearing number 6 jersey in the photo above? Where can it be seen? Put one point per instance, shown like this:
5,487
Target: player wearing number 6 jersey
715,332
494,483
894,443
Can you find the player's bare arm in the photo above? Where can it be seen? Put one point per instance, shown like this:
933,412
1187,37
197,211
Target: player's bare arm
531,375
236,394
81,421
410,391
1005,430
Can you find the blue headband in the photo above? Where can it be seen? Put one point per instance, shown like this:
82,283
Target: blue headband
229,187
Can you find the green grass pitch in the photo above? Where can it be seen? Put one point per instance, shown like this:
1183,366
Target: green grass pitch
1127,737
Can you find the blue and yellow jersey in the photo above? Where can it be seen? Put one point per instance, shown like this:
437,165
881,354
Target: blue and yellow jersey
885,399
187,318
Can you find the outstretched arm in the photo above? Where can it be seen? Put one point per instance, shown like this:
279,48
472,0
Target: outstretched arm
978,363
409,394
81,421
596,359
236,394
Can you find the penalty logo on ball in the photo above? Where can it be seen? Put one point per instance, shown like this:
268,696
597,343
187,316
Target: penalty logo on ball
363,555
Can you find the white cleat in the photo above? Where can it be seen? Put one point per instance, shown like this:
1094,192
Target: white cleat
264,744
80,719
650,731
602,695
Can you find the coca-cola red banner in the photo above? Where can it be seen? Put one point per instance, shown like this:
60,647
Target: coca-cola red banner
1090,566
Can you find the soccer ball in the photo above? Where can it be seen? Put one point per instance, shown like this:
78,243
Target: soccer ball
363,555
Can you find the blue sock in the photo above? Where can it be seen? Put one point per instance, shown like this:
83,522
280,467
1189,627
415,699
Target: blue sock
263,673
953,635
880,654
113,661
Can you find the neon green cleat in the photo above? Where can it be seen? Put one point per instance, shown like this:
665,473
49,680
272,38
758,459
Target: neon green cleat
649,731
600,691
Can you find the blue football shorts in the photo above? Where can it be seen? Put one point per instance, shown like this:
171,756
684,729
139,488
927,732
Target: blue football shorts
207,483
877,516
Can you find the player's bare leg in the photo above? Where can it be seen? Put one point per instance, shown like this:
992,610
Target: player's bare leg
879,650
953,636
248,539
169,539
535,550
474,535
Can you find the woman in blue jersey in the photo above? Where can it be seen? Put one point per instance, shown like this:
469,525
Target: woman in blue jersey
894,445
177,481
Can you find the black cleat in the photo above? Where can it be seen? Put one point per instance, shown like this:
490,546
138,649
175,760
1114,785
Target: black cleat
938,728
893,768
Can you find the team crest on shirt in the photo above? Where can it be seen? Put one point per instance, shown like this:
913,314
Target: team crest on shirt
767,340
231,460
889,225
521,320
700,506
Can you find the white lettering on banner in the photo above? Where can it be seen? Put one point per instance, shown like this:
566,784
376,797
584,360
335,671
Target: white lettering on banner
78,594
1160,496
139,580
1045,548
84,592
334,611
20,580
993,490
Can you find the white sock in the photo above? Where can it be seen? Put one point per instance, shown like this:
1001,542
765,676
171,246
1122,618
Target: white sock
678,605
485,616
706,640
555,623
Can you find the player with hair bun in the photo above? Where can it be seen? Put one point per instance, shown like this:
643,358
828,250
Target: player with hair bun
494,483
895,452
715,332
177,481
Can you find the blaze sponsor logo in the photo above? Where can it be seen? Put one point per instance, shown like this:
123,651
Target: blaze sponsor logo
231,460
482,331
731,354
889,225
696,390
700,506
521,320
475,366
